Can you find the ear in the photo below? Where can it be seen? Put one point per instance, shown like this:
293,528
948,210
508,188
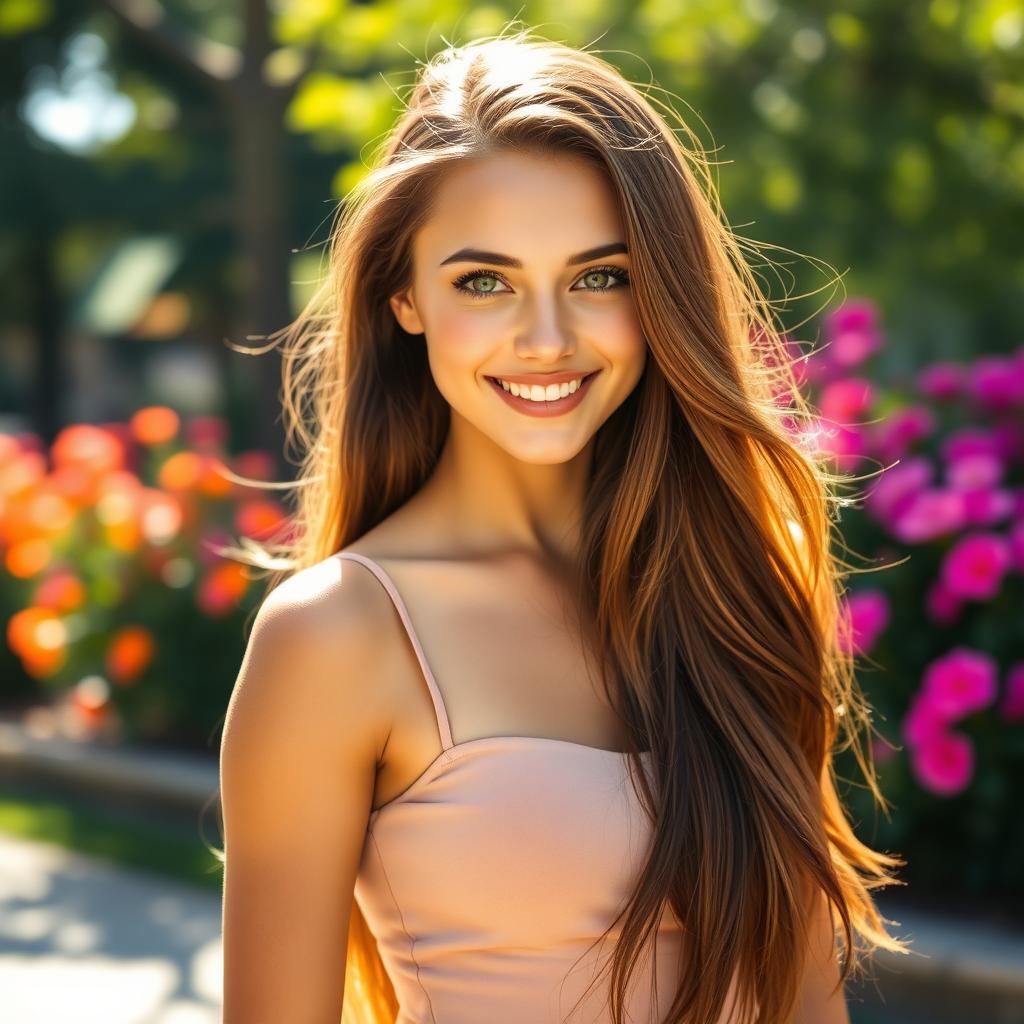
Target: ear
404,308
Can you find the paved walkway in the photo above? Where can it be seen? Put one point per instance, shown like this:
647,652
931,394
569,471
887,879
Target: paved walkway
86,942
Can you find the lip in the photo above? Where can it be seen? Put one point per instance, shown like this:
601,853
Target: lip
556,408
543,379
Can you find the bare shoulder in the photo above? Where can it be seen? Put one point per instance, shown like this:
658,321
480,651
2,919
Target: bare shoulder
316,638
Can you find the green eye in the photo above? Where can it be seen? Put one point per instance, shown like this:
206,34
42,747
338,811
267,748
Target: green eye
619,277
477,275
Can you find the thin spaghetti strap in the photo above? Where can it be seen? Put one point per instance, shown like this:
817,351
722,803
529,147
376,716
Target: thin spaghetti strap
435,693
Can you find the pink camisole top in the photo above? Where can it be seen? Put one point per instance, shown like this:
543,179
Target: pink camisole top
487,880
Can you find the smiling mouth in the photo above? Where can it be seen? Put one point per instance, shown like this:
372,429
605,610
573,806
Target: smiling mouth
584,377
545,407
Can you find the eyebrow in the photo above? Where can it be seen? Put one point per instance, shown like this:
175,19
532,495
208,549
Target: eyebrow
500,260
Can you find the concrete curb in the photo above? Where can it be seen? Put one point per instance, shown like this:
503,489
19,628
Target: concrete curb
184,779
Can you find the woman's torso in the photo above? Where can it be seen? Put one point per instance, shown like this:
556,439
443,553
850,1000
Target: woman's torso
505,834
495,638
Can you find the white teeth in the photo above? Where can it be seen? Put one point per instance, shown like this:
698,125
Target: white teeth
539,393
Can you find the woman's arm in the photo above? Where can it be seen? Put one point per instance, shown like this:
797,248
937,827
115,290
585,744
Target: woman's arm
297,765
819,1001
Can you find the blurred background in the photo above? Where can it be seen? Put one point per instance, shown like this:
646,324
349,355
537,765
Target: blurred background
169,172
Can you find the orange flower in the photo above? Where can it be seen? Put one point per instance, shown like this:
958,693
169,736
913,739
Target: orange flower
156,424
39,638
118,510
21,627
88,446
214,484
181,472
43,664
22,473
74,484
161,516
9,448
16,523
221,588
129,654
28,558
62,591
259,518
50,512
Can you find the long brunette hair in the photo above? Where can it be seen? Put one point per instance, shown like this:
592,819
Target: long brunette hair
706,569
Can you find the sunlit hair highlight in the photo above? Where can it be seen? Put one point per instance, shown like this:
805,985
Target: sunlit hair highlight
705,580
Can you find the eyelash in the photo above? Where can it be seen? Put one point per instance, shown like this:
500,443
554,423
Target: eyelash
459,282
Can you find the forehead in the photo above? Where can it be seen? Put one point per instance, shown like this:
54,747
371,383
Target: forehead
522,204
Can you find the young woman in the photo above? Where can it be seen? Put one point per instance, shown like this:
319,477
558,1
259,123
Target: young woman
536,722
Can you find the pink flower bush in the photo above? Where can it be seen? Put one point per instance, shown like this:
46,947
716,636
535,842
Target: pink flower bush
942,605
931,513
853,332
844,401
954,686
970,441
1012,706
941,381
895,490
868,616
975,566
945,764
987,506
997,382
894,436
961,682
940,458
975,472
1016,541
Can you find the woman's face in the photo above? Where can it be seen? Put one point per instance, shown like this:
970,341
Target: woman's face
520,274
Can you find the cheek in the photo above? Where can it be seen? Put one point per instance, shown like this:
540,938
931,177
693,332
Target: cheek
458,339
621,339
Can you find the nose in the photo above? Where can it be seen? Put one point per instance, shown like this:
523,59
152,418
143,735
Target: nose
546,338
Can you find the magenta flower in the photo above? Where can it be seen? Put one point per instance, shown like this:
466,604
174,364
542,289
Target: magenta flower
816,366
845,444
970,441
984,508
895,488
974,472
851,348
868,615
944,765
959,683
894,435
852,315
975,566
941,381
853,332
1008,438
997,383
924,721
1012,707
932,513
844,401
1016,542
942,606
